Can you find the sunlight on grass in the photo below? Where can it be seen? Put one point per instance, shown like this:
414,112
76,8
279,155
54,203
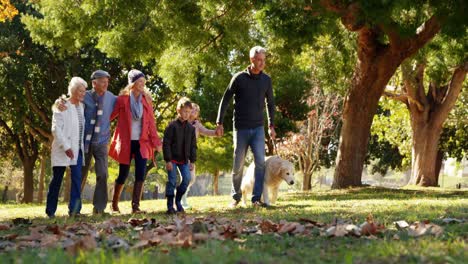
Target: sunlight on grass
386,205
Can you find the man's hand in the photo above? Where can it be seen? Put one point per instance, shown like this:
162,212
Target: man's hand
69,153
169,166
219,130
191,166
271,132
60,104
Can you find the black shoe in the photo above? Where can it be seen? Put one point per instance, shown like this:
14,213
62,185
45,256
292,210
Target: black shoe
171,211
99,212
75,214
258,204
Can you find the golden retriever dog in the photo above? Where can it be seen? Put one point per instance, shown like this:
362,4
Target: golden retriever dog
276,171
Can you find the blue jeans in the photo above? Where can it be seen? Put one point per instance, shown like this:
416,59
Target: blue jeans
184,170
75,192
140,165
243,138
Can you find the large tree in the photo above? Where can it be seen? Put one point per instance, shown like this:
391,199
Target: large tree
387,33
431,84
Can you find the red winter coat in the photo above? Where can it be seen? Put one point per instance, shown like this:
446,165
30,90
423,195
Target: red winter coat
120,146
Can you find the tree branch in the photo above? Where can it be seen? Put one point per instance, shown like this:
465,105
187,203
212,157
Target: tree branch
350,14
398,97
423,35
412,81
454,89
37,131
34,106
389,30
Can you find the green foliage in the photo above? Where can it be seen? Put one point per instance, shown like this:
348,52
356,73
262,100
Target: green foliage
392,126
180,35
214,153
454,137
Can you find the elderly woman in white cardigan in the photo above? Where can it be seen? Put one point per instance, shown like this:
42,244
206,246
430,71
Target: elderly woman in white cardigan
67,148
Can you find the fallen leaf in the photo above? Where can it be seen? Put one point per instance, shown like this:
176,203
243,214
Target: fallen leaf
401,224
452,220
353,230
417,229
115,242
4,226
286,228
83,244
436,230
201,237
312,222
268,226
336,231
49,241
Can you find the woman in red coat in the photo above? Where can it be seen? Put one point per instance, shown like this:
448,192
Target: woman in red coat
134,137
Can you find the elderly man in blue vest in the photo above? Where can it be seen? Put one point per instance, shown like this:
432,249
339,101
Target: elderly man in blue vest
99,104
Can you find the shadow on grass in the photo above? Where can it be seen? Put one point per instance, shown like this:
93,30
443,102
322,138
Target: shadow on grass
367,193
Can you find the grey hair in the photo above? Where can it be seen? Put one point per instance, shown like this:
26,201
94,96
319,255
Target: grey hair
256,50
75,82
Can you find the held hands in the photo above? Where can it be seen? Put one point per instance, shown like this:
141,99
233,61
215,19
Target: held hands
169,166
69,153
191,166
271,132
219,130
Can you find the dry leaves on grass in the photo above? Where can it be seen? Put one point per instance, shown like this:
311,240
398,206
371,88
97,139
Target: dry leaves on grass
187,232
418,229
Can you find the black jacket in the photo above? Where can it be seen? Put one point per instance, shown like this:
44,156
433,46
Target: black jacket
180,142
250,91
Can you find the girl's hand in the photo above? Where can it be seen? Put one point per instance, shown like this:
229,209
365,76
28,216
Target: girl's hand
155,163
191,166
169,166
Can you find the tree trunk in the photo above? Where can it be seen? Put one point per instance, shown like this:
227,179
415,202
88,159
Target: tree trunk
428,113
40,195
307,182
425,152
359,110
215,182
5,194
440,158
28,180
376,64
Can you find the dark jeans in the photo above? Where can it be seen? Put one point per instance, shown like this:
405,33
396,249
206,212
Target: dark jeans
172,179
140,165
75,192
243,138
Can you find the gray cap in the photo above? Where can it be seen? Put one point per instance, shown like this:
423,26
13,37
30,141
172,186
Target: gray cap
99,74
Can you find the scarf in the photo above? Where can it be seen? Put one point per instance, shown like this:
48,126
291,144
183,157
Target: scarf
136,106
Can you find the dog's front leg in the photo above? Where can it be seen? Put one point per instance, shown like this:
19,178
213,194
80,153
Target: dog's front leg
266,199
274,194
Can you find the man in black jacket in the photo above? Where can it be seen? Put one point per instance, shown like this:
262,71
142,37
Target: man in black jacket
250,89
180,151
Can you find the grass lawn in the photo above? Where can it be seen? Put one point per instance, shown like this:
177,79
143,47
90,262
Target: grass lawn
386,205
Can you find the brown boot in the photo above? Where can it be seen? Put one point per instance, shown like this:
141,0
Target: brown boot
137,191
115,200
